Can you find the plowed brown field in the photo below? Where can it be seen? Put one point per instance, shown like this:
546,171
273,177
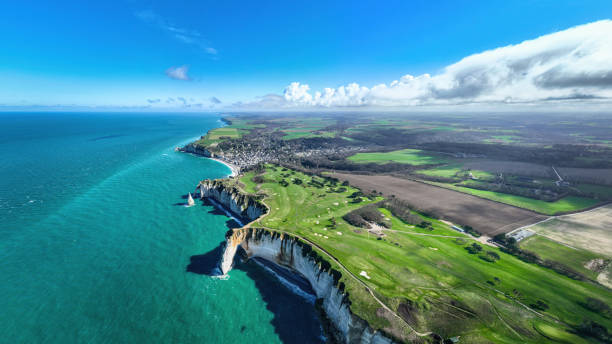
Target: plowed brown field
487,217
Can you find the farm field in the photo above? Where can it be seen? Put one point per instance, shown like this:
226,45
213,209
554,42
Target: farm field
566,204
220,132
454,170
216,135
457,207
297,134
587,175
575,258
404,156
510,167
446,171
433,282
590,230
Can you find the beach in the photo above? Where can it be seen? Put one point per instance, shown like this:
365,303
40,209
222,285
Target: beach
235,169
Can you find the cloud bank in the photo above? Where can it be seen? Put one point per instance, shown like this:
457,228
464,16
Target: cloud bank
573,64
178,73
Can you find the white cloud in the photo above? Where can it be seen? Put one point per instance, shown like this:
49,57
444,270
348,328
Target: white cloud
574,64
187,36
178,73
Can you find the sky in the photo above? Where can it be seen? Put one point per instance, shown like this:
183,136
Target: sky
203,55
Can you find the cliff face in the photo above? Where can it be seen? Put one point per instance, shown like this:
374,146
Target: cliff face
194,149
289,251
244,206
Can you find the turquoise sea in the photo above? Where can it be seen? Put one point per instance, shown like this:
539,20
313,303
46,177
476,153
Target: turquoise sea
96,246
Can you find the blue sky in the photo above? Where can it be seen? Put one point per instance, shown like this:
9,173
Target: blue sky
120,53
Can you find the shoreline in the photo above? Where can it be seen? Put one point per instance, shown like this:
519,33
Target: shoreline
235,169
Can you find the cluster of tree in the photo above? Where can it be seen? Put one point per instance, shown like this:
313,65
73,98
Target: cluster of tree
489,256
598,306
324,162
474,248
425,225
539,193
436,179
401,210
559,155
403,204
592,329
362,217
471,230
539,305
315,183
357,197
386,137
510,246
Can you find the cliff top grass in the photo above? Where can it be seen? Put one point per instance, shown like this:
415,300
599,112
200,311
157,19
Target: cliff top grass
438,279
236,128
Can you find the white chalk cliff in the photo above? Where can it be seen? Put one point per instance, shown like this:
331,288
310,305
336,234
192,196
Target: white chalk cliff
291,252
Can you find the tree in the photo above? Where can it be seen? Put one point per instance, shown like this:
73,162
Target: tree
474,248
539,305
597,306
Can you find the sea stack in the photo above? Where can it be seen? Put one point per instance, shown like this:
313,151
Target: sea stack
190,201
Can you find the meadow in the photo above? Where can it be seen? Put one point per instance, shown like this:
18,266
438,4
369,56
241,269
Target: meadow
218,134
456,170
575,258
432,273
564,205
590,230
404,156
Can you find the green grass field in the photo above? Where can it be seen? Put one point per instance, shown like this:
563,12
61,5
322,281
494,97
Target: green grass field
548,249
217,135
248,185
601,191
404,156
297,134
566,204
453,292
455,170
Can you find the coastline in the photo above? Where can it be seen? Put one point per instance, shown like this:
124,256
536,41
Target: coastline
235,169
285,250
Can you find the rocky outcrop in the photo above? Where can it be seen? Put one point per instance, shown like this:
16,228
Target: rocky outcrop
291,252
246,207
196,149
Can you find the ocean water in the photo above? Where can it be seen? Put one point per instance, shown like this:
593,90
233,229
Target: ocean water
97,247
